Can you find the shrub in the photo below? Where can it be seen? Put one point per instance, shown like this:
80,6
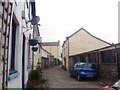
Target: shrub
64,68
35,79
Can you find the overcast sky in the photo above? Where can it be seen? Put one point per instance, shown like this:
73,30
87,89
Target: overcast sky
61,18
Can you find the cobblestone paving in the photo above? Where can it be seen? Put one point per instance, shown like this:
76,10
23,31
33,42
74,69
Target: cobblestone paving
59,78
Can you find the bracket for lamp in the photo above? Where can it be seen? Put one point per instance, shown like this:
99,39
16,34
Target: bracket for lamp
27,29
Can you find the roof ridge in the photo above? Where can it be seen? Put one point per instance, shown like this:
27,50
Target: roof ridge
88,33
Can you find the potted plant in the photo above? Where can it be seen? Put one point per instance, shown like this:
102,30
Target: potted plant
36,80
34,49
33,42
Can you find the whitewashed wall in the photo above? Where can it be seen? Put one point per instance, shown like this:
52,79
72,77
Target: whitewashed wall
18,8
119,22
17,82
1,10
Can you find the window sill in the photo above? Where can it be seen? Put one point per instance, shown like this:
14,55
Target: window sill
13,76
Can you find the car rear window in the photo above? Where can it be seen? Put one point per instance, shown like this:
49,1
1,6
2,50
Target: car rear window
89,65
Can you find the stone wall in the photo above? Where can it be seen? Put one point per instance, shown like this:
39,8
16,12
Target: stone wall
108,72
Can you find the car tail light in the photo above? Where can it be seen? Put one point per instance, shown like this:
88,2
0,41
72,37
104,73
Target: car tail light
81,70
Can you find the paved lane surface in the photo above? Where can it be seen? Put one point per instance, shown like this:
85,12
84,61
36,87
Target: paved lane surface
59,78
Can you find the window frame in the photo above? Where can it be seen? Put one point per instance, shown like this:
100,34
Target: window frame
12,67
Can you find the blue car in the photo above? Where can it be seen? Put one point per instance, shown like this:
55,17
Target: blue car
84,70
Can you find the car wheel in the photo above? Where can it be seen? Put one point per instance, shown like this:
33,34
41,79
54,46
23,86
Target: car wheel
78,77
95,78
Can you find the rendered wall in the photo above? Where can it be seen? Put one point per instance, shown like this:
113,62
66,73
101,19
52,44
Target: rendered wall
119,22
80,42
21,29
54,50
83,42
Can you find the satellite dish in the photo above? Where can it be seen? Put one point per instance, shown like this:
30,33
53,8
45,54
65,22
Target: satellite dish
35,20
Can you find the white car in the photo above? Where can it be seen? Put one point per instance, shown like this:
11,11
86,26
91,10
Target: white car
117,85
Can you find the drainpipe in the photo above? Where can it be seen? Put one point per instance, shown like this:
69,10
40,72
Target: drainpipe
117,60
57,54
98,62
68,54
33,46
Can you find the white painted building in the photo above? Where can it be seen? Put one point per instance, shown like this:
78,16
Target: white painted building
16,55
119,22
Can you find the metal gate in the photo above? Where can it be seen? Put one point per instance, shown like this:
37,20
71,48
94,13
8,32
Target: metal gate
6,19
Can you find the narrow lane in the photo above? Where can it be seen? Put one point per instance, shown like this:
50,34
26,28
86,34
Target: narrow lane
59,78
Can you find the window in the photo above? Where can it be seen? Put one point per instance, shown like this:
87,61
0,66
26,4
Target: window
27,3
12,66
13,46
92,57
82,57
88,65
108,56
75,59
78,66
